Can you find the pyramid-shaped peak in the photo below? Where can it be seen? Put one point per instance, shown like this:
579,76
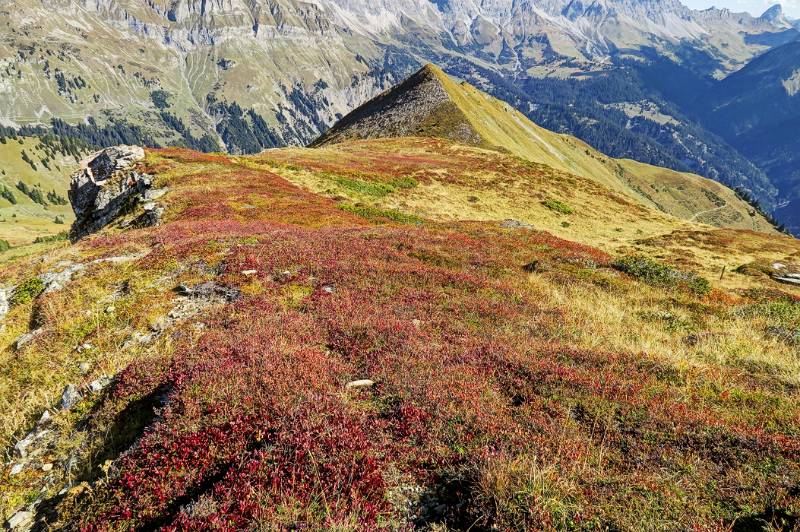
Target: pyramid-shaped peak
431,70
422,105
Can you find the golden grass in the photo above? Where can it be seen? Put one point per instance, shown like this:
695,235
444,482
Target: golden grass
466,183
501,127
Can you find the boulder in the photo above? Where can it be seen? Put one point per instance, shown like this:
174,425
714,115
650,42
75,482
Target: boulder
21,520
105,188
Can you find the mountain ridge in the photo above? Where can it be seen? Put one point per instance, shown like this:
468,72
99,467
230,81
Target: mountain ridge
431,104
223,75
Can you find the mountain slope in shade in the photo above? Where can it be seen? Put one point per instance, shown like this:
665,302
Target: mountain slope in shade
431,104
757,109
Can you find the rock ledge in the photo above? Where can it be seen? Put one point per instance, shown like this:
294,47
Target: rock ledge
106,187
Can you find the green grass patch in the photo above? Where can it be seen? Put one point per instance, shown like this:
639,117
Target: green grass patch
60,237
558,206
374,189
380,215
27,291
405,182
366,188
654,273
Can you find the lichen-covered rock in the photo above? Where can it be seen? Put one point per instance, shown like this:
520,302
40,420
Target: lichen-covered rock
4,305
70,397
20,520
27,338
105,188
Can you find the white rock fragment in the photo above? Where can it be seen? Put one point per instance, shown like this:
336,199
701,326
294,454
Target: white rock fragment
4,305
44,420
47,468
16,469
26,339
22,445
20,520
155,193
55,281
363,383
97,386
249,273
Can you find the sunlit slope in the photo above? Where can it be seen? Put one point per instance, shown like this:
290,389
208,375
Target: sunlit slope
243,333
441,180
432,104
23,219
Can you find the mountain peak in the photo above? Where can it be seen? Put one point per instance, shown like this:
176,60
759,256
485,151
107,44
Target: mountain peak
773,14
422,105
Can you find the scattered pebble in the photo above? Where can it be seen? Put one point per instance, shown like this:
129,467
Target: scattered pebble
84,368
16,469
328,289
364,383
249,273
110,309
97,386
47,468
45,419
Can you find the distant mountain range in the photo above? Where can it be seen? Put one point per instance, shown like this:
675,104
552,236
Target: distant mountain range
627,76
757,110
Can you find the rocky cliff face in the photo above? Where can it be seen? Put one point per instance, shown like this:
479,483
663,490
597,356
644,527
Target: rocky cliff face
299,66
107,187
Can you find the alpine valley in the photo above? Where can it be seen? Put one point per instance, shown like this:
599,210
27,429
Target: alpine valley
353,265
626,76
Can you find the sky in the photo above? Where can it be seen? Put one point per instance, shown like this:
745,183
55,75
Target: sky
790,7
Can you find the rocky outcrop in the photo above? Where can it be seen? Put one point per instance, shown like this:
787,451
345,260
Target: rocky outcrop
422,106
4,304
107,187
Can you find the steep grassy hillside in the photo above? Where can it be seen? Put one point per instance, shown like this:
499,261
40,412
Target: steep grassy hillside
39,208
517,380
430,103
